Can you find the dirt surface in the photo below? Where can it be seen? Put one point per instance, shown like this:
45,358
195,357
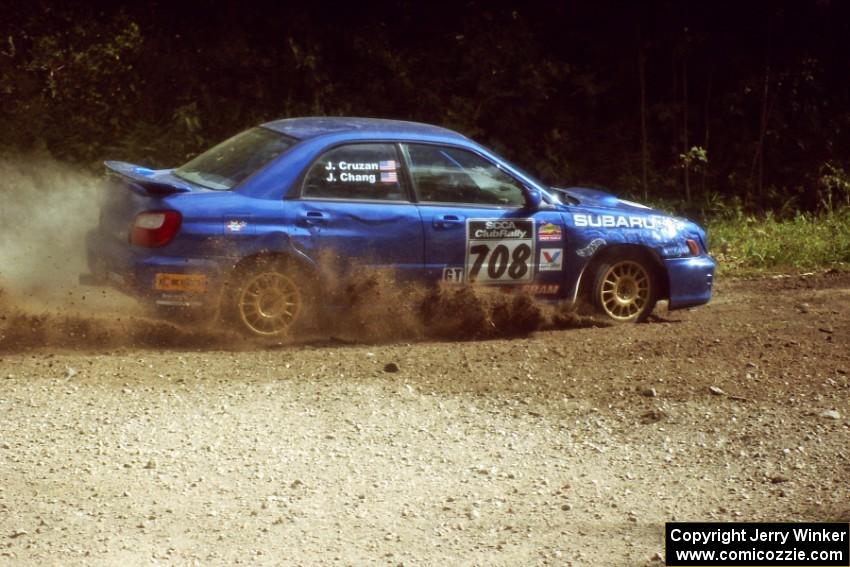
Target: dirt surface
566,447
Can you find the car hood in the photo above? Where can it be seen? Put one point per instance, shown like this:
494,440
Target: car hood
595,198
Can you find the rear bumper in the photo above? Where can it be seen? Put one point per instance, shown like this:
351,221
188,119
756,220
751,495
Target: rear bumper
691,280
151,276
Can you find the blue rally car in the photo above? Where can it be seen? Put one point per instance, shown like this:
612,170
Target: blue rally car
261,224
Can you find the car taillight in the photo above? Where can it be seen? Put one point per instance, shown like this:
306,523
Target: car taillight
155,228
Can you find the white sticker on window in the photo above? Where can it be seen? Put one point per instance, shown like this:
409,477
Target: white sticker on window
384,171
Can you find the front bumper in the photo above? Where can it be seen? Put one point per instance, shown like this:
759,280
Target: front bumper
690,280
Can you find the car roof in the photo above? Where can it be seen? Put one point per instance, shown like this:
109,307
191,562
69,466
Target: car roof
316,126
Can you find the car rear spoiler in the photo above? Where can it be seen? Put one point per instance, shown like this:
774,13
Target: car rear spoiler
146,181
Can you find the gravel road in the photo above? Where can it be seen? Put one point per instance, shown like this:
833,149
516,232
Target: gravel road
565,447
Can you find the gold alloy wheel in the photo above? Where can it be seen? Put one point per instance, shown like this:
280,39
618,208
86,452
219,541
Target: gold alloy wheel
625,290
269,303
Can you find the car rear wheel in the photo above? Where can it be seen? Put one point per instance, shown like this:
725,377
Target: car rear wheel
269,299
625,289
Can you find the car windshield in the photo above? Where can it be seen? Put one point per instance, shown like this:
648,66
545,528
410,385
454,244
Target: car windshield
232,161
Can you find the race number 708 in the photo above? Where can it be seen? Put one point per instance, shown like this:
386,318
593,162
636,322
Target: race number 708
501,262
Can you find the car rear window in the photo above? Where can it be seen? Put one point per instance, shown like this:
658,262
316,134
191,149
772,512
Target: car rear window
357,172
232,161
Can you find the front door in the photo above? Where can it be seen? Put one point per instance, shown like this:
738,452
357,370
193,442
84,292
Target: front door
478,229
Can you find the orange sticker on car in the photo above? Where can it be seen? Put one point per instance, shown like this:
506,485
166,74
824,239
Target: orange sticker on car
192,283
549,231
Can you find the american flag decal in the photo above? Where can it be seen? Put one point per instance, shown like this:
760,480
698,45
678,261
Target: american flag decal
389,177
388,165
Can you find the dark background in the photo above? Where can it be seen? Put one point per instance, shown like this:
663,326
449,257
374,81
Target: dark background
762,87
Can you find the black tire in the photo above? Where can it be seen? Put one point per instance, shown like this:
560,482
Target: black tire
268,298
625,288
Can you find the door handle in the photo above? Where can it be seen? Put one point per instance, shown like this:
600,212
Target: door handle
448,221
314,217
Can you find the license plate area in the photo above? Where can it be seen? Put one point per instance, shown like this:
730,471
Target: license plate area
186,283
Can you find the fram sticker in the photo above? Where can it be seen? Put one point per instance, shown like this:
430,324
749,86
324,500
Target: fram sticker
551,259
541,289
549,232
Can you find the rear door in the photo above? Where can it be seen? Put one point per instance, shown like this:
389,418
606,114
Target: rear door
355,210
477,226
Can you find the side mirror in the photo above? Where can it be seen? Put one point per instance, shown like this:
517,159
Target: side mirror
533,199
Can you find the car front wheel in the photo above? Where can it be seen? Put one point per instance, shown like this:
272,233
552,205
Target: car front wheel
625,289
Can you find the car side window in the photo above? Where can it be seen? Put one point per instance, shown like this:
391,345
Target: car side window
356,171
450,175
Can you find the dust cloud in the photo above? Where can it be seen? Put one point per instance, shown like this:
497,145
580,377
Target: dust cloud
378,308
46,209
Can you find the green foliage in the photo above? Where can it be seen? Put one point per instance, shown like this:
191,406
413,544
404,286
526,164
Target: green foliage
696,158
744,241
835,187
806,241
534,81
64,81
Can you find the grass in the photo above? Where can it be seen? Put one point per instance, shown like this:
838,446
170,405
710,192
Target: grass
746,244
